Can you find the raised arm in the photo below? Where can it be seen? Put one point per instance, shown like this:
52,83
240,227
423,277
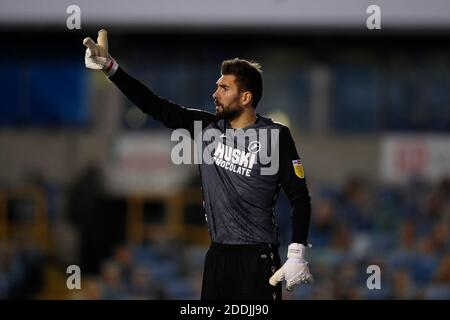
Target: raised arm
169,113
172,115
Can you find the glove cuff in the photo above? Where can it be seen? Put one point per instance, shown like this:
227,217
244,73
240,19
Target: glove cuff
297,251
110,67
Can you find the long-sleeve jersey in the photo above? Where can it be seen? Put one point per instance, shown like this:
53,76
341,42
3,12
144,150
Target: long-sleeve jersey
239,187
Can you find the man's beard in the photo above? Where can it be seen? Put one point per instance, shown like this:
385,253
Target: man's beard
228,113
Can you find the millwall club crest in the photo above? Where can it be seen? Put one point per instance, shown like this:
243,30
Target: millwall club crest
254,147
298,168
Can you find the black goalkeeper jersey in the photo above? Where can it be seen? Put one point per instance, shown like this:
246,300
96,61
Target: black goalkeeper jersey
241,170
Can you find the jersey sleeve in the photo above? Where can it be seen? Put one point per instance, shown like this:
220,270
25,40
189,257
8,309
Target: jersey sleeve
172,115
293,182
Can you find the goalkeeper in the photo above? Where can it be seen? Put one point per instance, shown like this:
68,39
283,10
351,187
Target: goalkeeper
243,260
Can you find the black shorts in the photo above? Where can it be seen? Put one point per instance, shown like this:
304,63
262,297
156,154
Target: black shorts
240,272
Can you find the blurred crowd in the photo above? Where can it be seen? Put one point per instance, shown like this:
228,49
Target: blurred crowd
402,230
22,266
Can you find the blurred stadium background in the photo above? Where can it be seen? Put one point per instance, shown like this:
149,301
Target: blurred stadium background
86,179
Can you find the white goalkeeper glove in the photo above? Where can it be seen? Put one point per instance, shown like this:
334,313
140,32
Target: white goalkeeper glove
97,56
295,270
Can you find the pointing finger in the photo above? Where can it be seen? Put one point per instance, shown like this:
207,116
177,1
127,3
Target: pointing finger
102,41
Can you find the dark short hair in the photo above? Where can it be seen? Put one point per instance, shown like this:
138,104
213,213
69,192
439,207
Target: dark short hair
248,76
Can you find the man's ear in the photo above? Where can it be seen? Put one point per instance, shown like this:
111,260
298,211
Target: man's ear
246,97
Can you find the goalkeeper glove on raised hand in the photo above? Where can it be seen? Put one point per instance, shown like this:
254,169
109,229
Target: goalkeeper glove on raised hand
295,270
97,56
